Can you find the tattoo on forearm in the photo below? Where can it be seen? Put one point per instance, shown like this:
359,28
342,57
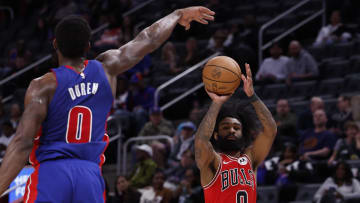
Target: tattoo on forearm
207,125
264,115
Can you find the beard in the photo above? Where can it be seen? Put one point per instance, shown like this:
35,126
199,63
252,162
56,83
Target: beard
226,145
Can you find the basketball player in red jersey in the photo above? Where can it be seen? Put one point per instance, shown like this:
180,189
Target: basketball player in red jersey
70,106
228,176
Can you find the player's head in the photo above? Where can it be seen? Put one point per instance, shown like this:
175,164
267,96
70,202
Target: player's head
234,128
72,37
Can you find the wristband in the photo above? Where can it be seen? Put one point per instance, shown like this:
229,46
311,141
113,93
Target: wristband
253,98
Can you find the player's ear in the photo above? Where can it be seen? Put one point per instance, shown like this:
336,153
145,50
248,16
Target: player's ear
55,44
88,47
216,136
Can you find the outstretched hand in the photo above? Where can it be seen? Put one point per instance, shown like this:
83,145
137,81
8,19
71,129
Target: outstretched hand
248,82
218,98
198,13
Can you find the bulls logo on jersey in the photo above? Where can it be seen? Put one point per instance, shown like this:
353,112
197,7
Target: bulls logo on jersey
242,161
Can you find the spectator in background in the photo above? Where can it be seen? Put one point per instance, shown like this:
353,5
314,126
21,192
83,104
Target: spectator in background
317,143
7,135
15,114
248,33
192,53
184,139
143,67
144,169
273,68
345,148
189,189
140,96
170,58
342,114
301,64
305,120
157,125
124,193
220,40
334,32
156,193
286,122
20,56
177,170
340,187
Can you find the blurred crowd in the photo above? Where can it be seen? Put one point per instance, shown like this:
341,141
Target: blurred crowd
317,143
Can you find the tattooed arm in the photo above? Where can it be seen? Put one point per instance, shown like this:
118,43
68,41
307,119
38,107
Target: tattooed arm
206,158
263,142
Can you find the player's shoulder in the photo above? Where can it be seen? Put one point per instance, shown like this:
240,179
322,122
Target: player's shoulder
46,82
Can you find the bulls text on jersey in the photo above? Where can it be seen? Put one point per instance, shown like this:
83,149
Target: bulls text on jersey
233,177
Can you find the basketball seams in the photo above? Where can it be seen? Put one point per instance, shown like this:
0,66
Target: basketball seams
219,81
225,69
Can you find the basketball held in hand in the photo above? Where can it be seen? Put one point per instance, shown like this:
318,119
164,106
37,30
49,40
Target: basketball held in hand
221,75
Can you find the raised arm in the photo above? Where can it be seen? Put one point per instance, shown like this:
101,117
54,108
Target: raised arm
263,142
119,60
206,158
36,102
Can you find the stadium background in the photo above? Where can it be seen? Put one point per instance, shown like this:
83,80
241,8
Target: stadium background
26,33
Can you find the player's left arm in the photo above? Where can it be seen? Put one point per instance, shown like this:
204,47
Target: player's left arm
263,142
119,60
36,103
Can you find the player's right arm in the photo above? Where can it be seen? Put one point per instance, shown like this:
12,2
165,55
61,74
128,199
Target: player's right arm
206,158
37,99
119,60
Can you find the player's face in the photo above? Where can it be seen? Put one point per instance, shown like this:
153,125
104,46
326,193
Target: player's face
229,136
230,129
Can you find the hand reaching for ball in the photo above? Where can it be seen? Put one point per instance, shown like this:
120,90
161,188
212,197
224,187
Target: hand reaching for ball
220,99
248,82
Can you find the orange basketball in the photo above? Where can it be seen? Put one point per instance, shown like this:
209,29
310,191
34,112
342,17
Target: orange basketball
221,75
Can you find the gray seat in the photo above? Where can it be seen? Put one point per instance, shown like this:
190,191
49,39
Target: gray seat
302,88
343,50
307,192
267,194
330,86
335,69
274,91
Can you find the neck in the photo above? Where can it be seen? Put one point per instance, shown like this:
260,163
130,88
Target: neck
320,128
233,153
76,63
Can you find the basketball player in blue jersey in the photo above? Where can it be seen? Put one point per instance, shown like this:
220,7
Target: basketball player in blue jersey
64,121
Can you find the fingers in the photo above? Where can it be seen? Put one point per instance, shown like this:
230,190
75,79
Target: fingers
207,17
248,70
243,78
206,10
202,21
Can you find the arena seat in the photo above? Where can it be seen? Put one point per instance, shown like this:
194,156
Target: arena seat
267,194
307,191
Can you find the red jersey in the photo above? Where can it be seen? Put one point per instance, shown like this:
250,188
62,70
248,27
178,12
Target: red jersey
234,182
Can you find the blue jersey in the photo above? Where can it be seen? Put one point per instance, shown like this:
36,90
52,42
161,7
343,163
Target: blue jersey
75,125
